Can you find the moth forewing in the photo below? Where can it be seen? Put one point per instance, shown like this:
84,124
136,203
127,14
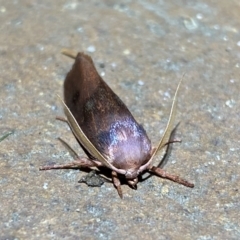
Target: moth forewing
169,127
85,141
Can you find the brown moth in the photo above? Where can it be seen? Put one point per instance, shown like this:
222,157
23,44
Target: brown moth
106,130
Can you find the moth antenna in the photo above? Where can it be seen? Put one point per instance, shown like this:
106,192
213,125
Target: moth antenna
168,129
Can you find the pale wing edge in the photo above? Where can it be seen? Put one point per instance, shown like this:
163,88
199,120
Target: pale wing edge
169,127
83,139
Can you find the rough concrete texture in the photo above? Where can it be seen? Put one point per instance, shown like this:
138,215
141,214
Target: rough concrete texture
141,48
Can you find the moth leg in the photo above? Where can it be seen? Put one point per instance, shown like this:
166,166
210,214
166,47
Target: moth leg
161,173
78,163
117,183
133,183
173,141
62,119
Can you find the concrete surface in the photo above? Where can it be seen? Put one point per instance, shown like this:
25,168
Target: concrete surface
142,48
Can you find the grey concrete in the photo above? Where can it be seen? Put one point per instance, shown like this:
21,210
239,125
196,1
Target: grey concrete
142,48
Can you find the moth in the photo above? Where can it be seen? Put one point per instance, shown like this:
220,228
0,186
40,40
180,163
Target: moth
106,129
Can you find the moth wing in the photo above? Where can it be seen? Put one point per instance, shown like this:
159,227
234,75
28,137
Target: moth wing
169,127
83,138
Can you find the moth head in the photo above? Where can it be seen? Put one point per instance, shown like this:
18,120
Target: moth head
131,174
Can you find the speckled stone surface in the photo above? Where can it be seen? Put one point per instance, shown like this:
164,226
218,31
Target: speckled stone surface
141,48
